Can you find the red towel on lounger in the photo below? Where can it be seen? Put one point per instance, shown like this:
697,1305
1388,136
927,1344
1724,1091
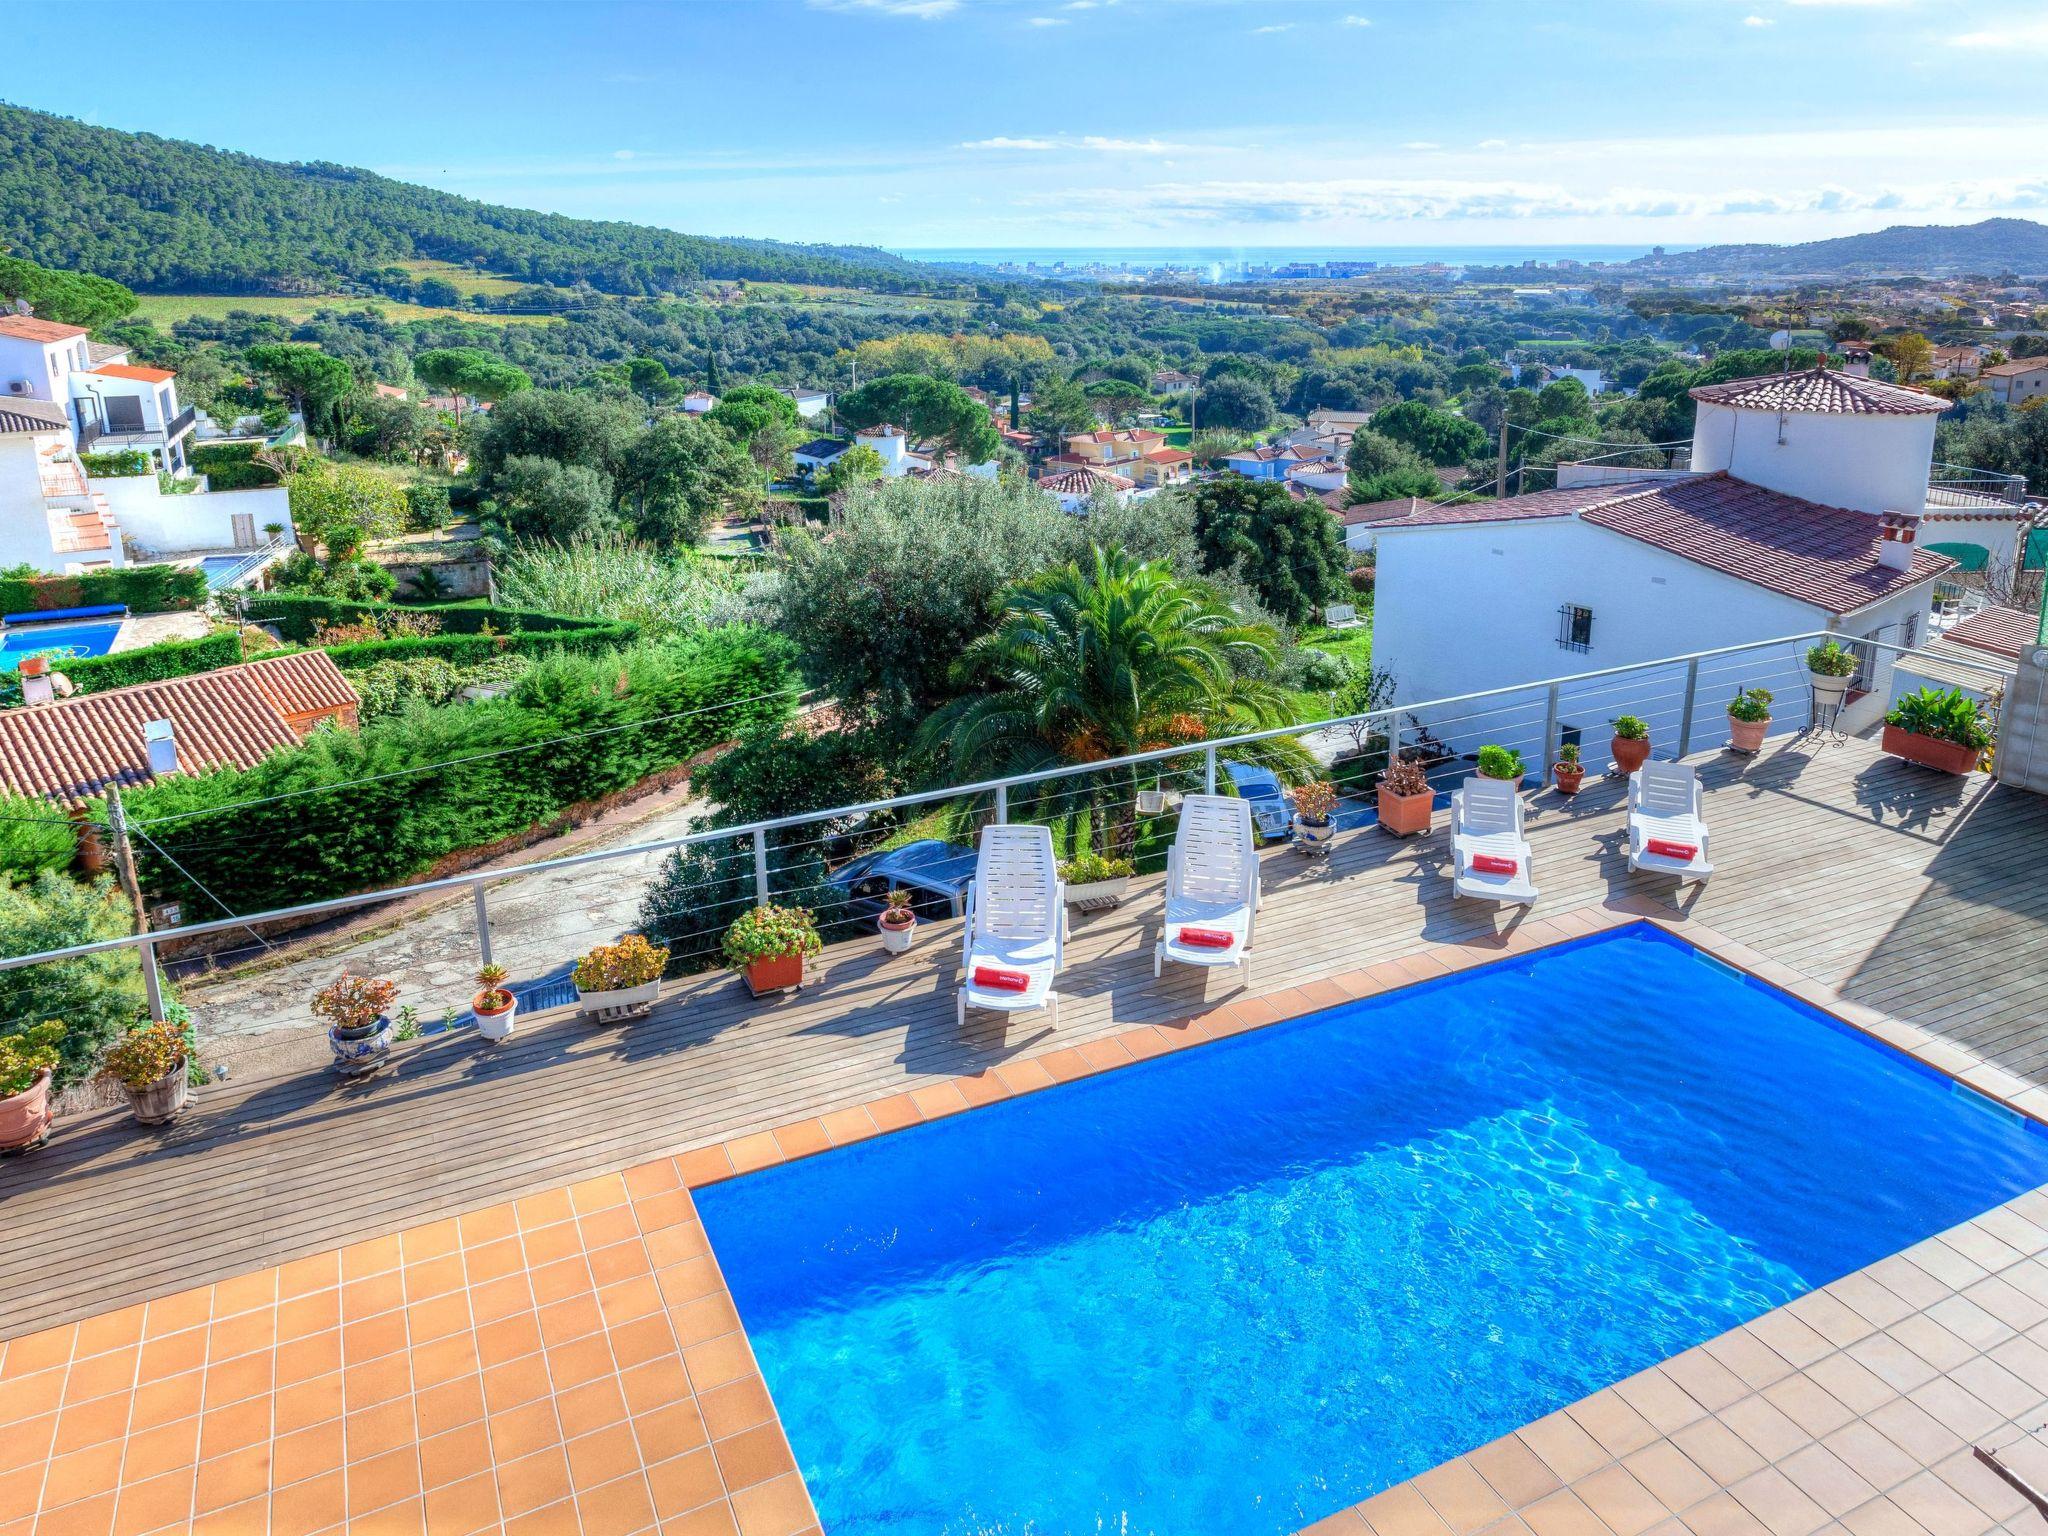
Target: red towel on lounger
1665,849
995,979
1494,864
1206,938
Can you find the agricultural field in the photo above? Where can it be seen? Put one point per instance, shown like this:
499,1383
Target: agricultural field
166,309
465,280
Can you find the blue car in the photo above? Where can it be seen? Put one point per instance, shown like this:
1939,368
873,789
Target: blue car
1272,811
935,873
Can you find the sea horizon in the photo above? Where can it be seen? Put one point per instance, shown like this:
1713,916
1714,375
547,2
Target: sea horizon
1194,256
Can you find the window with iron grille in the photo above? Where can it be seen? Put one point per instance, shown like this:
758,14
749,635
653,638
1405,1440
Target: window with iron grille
1575,627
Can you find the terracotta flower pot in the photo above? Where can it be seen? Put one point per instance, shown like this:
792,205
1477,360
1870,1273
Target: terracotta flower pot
1567,777
896,936
494,1023
1929,752
775,973
162,1101
1630,754
1747,735
25,1118
1516,780
1406,815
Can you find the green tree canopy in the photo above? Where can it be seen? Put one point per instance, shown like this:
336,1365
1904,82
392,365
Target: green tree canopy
680,474
547,499
341,507
556,424
69,298
1373,453
859,465
1286,548
95,997
314,382
1232,400
931,410
1440,437
1061,409
470,372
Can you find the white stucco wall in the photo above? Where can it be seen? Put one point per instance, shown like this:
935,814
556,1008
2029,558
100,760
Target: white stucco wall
1999,536
1871,463
24,525
170,525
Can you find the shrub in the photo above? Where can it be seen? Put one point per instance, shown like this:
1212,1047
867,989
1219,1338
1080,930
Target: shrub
353,1002
1943,714
34,835
297,616
389,686
1087,867
128,464
151,663
702,885
97,996
232,467
426,506
1315,800
1750,705
768,933
1405,776
1830,660
27,1055
631,962
1631,728
1319,670
147,1054
143,588
1500,763
476,650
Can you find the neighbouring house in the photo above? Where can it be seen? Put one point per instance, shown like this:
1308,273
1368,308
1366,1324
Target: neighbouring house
1161,467
1076,487
1116,450
389,391
111,404
1272,461
698,401
818,454
1801,512
50,516
2016,382
1957,362
1979,655
69,750
1593,379
1359,520
810,403
893,444
1171,381
1317,474
1325,422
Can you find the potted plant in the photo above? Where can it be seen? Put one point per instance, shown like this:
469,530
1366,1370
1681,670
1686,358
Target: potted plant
1568,773
1749,718
1831,670
149,1062
768,946
496,1006
1313,804
897,922
1501,763
1631,742
620,981
358,1033
1152,802
1406,800
27,1061
1937,728
1094,882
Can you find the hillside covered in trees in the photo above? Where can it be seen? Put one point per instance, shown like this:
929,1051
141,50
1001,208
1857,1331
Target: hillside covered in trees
166,216
1989,246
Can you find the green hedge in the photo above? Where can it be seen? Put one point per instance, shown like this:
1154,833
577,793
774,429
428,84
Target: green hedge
144,588
456,784
294,615
462,650
232,467
128,464
152,663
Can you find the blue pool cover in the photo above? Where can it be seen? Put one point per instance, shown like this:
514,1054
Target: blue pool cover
1235,1289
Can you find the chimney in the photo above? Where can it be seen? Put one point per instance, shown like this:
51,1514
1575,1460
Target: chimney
35,680
160,741
1895,536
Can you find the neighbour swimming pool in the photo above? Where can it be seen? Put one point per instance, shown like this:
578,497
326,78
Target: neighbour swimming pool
71,639
1234,1289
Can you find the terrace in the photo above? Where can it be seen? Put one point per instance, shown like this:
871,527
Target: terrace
474,1291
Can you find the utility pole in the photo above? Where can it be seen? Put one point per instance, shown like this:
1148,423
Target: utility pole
124,861
1500,474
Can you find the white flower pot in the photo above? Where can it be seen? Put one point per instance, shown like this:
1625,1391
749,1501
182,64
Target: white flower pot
1828,692
1098,895
496,1026
896,939
1312,837
1151,802
619,1002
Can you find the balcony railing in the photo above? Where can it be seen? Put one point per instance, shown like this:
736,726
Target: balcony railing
89,434
1957,486
181,423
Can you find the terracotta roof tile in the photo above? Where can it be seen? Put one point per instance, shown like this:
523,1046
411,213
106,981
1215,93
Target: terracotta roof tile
1408,512
1822,390
28,328
2000,631
2017,366
19,416
1083,481
139,375
72,749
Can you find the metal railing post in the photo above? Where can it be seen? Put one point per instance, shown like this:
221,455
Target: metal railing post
1002,805
1692,683
1549,732
152,987
761,866
1208,770
483,924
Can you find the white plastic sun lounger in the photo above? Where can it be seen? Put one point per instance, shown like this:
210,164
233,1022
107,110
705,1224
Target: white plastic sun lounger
1664,808
1212,883
1486,838
1016,919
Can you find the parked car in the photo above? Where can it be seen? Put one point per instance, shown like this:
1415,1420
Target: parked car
936,874
1272,811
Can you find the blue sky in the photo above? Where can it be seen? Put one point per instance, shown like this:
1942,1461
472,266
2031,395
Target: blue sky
1083,122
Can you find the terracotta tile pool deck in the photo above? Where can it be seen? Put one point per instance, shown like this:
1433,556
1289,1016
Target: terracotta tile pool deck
572,1362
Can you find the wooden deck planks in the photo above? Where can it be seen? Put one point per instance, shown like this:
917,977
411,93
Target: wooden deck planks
1912,893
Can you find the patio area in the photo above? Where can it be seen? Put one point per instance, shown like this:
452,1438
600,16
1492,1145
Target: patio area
474,1293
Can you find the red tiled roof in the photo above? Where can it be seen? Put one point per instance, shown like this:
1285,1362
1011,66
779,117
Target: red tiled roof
1168,456
2001,631
1826,556
1410,513
1081,482
29,328
19,416
1821,390
72,749
1373,511
2017,366
139,375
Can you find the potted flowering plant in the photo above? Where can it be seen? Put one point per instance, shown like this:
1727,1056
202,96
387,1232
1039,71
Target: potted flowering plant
620,981
496,1006
149,1062
1406,801
358,1033
1631,742
1501,763
1568,773
28,1058
1314,802
1094,882
768,946
1749,718
1937,728
1831,670
898,922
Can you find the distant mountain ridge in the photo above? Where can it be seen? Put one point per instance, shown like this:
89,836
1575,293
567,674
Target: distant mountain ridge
166,216
1992,246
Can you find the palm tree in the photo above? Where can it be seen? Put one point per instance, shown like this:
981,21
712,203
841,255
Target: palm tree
1118,658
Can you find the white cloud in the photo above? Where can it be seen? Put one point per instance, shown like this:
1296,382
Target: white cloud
1094,142
1491,144
622,154
1356,21
915,10
1047,21
1422,144
1004,142
2019,37
1867,5
1278,26
1758,21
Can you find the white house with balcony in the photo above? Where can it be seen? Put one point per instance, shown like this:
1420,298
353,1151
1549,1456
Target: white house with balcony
112,404
1801,512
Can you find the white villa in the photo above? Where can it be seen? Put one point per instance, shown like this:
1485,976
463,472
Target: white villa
1802,510
66,397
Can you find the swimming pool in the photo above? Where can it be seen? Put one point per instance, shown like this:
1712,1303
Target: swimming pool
1234,1289
70,639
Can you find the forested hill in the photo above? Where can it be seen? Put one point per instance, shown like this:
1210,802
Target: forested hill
165,216
1992,246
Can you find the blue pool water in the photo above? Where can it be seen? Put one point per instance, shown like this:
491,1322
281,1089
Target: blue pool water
1231,1290
70,639
219,570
